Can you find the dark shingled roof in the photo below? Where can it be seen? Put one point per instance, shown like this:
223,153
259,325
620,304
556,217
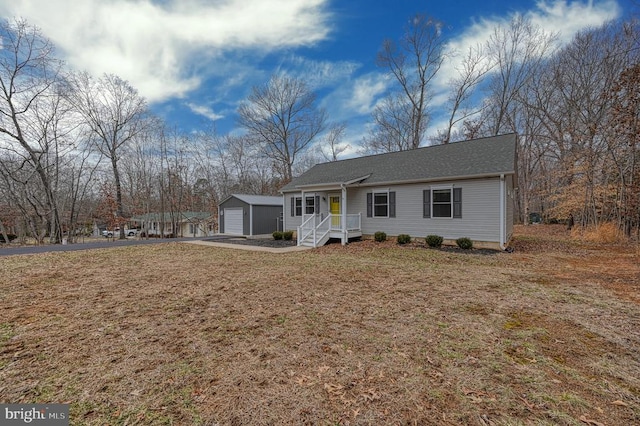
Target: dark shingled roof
490,156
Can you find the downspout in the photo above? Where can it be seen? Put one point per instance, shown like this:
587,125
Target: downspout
251,220
502,213
284,212
302,213
343,213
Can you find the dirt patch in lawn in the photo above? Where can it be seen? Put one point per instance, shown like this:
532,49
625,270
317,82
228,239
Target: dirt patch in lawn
367,333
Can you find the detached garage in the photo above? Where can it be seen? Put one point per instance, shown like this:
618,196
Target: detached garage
250,215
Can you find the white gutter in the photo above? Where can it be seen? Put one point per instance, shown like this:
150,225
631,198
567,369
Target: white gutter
436,179
334,185
502,214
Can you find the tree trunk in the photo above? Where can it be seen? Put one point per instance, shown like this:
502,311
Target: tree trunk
3,231
119,209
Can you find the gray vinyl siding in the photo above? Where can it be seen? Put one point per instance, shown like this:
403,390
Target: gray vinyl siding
292,222
265,219
480,211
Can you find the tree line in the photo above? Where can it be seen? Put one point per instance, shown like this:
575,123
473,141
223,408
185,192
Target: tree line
575,107
75,148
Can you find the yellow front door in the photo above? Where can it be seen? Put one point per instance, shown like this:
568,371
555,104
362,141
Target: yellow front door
334,208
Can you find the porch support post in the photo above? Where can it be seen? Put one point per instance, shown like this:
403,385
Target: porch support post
503,211
343,213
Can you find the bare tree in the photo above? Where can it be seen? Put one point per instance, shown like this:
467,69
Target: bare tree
392,129
333,141
623,146
471,73
282,117
29,101
413,62
517,52
116,114
577,124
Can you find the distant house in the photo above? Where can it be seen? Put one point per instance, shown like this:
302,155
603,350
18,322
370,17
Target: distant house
461,189
175,224
250,215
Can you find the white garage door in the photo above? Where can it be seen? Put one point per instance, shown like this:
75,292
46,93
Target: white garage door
233,221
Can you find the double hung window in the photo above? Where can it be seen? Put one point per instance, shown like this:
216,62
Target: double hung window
442,202
381,204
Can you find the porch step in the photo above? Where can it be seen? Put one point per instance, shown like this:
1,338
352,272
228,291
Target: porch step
308,242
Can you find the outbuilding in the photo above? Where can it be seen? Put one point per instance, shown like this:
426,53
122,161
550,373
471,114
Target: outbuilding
250,215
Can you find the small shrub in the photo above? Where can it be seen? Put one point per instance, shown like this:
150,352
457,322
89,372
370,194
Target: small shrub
287,235
380,236
277,235
434,240
464,243
404,239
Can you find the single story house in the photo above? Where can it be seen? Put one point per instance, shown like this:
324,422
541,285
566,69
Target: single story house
174,224
250,215
461,189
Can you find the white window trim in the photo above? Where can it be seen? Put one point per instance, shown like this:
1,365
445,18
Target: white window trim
436,188
373,203
304,204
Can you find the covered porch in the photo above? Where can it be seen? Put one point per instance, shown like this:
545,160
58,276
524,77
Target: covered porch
324,215
315,231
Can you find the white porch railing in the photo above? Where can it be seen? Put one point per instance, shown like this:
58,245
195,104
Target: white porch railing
354,222
307,228
322,229
313,233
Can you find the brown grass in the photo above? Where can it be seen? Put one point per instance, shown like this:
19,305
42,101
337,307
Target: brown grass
365,334
607,233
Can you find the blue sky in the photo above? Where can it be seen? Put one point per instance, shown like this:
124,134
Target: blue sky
195,60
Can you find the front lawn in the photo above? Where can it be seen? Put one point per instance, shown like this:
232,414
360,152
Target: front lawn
370,333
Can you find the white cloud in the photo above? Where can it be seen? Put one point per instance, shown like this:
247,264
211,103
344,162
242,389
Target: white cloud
352,102
366,91
204,111
319,74
566,18
161,48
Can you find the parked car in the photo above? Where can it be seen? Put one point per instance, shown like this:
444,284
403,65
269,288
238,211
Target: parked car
127,232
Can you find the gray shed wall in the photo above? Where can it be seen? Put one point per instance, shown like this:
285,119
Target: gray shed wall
264,217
